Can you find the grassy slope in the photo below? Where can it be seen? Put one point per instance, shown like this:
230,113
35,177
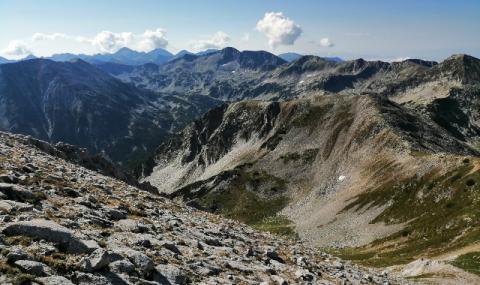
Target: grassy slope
469,262
442,213
254,198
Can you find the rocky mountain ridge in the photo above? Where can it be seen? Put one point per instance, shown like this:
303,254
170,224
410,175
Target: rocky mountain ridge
209,75
64,224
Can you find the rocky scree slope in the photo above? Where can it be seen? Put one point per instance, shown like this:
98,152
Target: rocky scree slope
339,171
76,103
61,223
82,157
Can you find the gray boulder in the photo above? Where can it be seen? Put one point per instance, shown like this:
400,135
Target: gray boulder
170,274
116,215
8,179
141,261
16,192
99,259
33,267
121,266
9,206
17,254
90,279
49,231
53,280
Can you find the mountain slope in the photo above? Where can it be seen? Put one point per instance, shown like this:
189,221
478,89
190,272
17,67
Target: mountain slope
3,60
77,103
342,171
64,224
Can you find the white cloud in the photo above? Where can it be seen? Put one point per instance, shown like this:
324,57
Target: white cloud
399,59
50,37
326,42
217,40
246,37
153,40
16,49
58,36
108,42
279,29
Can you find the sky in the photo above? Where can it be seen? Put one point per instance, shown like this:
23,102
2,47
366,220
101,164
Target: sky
371,29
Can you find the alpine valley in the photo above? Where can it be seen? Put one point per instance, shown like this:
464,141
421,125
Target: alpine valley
239,167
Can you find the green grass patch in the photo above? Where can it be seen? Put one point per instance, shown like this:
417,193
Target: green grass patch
312,115
279,224
253,197
243,205
307,156
469,262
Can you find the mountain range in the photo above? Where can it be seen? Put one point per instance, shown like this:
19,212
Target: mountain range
362,156
376,162
158,56
124,56
77,103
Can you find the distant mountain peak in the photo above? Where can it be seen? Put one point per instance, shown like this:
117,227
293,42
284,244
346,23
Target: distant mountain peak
160,52
207,51
125,50
30,56
290,56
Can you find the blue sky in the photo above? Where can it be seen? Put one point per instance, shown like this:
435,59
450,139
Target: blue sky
371,29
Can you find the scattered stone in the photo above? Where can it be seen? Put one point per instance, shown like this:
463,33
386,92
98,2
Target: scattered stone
272,254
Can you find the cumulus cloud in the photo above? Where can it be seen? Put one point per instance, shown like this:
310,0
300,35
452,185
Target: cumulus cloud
153,39
16,49
217,40
326,42
107,41
279,29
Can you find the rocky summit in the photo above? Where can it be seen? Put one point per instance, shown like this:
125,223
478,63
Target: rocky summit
65,224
